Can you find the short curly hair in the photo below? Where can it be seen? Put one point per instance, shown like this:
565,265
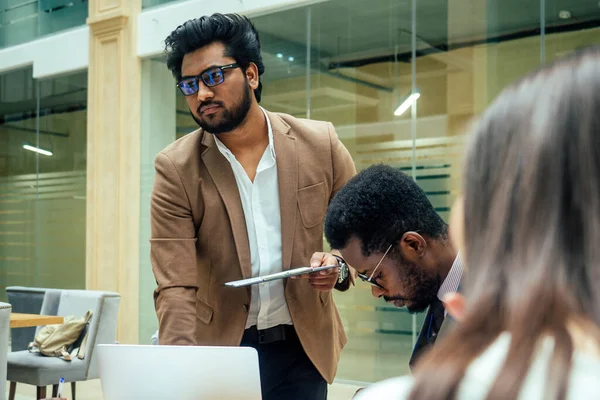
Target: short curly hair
378,206
236,32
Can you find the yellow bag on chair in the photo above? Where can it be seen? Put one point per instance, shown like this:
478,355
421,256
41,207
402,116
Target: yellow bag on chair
63,340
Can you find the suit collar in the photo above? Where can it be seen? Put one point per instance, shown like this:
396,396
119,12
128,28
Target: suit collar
208,139
278,124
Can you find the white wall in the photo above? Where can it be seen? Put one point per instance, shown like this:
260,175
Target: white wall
52,55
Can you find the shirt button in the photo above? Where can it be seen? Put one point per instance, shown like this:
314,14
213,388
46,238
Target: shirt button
245,307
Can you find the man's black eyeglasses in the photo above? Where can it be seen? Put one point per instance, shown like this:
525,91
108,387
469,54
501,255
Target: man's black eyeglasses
212,76
370,279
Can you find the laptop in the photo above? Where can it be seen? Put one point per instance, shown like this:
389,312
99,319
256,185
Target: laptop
131,372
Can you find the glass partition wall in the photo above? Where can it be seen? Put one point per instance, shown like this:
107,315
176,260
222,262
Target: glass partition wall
42,180
25,20
360,64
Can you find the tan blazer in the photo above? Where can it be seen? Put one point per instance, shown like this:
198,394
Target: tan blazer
199,238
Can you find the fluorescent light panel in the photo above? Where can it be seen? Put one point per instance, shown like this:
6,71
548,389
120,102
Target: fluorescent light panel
37,150
407,103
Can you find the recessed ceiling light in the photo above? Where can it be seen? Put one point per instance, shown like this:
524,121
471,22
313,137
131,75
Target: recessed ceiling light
407,103
564,14
36,149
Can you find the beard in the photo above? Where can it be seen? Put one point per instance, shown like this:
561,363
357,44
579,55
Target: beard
230,118
421,288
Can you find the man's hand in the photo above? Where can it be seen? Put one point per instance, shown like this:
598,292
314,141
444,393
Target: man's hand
454,303
322,280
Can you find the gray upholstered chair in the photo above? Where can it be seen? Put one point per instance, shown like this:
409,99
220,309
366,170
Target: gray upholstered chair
4,329
26,300
41,371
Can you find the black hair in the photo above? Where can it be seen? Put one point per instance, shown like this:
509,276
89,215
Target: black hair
236,32
377,207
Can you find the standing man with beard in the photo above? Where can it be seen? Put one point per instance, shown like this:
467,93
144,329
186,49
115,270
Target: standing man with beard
385,227
246,195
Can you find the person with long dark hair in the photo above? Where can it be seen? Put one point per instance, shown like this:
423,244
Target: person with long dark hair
528,227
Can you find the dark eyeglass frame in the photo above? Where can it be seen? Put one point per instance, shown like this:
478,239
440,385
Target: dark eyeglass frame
370,279
187,90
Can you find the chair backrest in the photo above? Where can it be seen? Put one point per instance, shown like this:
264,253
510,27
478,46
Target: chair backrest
103,325
26,300
4,329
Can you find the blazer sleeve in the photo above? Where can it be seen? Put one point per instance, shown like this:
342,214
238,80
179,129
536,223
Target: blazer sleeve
343,169
173,255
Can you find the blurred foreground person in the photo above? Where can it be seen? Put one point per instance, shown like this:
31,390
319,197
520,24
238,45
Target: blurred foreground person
528,226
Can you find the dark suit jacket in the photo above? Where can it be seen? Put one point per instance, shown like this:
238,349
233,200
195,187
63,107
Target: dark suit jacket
199,238
429,334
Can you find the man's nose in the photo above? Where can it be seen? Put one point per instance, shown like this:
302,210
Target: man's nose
204,92
377,292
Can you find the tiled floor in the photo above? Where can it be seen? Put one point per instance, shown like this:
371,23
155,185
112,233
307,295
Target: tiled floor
91,391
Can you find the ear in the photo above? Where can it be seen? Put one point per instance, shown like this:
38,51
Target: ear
413,245
454,303
252,75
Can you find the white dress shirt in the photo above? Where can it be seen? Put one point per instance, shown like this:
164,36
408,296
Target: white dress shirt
260,202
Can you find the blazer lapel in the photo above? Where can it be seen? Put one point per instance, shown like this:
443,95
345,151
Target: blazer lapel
422,342
429,333
222,175
287,177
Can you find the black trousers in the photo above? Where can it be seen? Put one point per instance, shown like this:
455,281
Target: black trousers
286,372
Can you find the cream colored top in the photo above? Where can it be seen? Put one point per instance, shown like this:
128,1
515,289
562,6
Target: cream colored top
584,382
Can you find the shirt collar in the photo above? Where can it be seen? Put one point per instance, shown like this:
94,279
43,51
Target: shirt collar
228,154
452,281
270,133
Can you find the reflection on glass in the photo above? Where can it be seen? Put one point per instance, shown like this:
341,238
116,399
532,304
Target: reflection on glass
570,26
25,20
42,180
17,178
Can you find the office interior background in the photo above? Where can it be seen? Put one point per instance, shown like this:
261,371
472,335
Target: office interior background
84,82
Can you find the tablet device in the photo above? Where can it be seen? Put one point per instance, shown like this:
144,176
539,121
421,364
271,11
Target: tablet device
278,275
